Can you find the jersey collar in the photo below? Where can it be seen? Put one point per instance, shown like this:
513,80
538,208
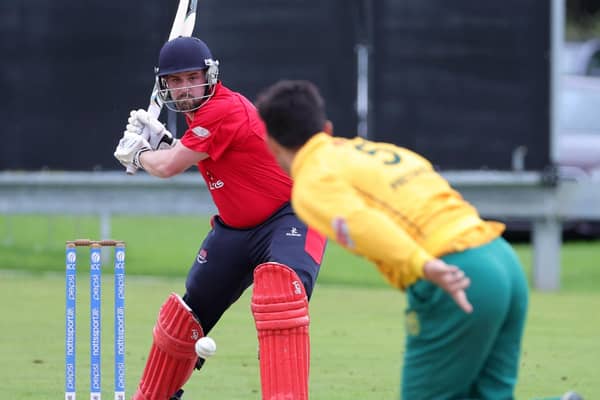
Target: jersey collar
317,141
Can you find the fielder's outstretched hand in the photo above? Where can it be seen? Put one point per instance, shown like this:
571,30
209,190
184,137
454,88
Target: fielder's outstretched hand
450,278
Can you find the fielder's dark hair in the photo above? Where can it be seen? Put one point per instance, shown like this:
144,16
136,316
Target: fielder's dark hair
293,112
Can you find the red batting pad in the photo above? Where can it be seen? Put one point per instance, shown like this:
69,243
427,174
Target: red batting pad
172,356
280,309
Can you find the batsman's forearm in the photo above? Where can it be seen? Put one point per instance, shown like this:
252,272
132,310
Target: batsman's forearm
159,163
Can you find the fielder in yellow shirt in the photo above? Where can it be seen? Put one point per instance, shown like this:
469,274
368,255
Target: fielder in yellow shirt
467,294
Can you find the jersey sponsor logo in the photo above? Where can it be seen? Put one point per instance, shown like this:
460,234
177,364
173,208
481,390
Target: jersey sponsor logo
216,185
201,132
408,176
202,256
342,233
293,232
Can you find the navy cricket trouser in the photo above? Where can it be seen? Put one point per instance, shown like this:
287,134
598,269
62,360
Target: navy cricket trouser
226,260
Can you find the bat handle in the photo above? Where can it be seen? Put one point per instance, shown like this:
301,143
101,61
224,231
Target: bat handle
153,109
131,170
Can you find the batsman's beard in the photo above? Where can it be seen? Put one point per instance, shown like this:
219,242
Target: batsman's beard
187,103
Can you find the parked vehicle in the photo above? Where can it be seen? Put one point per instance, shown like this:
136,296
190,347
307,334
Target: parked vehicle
577,133
581,58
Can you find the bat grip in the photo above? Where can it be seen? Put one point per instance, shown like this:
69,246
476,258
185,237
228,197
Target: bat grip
131,170
155,106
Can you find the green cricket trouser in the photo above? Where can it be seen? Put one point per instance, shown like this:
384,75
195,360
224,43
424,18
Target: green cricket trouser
453,355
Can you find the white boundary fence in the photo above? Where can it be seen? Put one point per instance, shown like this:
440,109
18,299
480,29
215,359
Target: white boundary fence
498,195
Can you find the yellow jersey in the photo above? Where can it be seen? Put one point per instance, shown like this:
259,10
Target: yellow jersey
385,203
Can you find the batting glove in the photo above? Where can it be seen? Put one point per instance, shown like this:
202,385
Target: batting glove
129,149
151,129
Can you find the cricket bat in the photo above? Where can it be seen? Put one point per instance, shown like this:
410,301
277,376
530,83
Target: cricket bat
183,25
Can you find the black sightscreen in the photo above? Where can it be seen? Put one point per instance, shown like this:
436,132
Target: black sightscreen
463,82
72,70
259,42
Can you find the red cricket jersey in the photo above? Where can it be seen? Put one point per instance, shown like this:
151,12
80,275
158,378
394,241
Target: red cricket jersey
245,181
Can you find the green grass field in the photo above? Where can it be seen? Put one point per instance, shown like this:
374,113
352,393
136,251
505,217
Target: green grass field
356,330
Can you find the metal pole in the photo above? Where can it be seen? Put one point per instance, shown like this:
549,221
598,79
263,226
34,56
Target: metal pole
546,253
105,233
362,89
557,38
